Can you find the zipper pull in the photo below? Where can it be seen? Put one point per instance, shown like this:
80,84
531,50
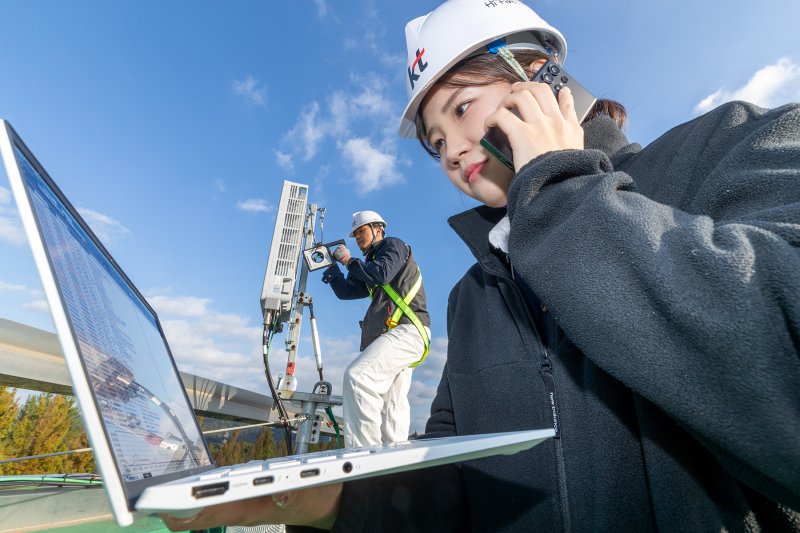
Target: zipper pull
550,387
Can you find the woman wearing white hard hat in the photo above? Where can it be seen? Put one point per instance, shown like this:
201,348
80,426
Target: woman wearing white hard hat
643,303
631,289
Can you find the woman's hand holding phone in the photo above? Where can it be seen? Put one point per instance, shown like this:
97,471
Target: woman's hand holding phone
535,122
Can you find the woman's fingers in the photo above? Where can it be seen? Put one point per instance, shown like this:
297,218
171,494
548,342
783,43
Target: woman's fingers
317,507
536,122
566,104
252,511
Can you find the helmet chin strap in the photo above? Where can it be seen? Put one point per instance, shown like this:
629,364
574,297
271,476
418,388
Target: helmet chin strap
368,248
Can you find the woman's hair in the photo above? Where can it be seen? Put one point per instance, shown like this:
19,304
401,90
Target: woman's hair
486,69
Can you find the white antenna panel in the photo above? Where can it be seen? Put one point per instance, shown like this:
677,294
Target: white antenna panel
284,253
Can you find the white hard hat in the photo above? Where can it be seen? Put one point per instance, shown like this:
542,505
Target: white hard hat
361,218
457,28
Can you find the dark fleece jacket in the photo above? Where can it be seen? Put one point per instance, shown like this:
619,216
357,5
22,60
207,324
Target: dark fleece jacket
660,288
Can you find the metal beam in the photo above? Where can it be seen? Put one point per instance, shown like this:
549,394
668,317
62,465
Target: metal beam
31,358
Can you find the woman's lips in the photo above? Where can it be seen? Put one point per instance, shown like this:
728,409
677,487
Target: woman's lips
472,171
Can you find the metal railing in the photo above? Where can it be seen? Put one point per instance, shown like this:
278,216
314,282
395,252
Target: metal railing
31,359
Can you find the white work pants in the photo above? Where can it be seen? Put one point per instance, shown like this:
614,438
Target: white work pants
375,393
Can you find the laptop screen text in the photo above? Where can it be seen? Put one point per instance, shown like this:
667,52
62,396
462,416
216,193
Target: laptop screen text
147,420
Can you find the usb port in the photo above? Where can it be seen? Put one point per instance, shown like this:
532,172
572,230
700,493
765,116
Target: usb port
263,480
210,490
311,472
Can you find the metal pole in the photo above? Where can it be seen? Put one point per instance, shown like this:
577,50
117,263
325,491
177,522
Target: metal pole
308,429
296,317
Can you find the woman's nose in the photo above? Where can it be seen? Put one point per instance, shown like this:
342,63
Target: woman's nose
456,148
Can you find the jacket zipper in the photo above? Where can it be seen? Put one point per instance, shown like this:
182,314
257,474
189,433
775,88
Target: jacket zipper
546,372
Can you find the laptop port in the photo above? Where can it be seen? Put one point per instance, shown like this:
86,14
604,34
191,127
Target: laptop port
210,490
263,480
311,472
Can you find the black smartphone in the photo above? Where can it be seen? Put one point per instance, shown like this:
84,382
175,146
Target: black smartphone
553,74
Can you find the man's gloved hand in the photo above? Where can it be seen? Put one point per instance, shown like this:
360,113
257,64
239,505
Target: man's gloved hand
342,254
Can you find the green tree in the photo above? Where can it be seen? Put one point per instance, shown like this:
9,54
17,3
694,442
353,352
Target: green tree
19,437
76,439
265,447
232,452
46,424
9,408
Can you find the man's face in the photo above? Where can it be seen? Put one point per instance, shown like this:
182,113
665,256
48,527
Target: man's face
363,236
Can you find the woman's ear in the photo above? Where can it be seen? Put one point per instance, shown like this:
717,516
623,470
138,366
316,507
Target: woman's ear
536,65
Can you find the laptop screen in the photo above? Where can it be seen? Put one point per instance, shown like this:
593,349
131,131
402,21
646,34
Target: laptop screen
147,419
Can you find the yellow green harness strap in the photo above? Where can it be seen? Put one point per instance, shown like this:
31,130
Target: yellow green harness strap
403,308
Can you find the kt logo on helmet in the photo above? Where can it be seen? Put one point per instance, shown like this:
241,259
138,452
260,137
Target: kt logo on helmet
422,66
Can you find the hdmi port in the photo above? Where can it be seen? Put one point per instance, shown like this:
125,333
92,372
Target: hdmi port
210,490
310,472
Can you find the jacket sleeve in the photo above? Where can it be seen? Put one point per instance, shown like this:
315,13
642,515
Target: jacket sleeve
384,267
697,307
442,420
344,288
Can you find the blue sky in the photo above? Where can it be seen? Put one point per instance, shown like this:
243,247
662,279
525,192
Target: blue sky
171,126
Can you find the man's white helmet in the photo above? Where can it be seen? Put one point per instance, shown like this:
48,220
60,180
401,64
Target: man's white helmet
457,28
361,218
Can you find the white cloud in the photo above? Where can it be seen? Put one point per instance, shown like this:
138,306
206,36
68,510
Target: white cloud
40,305
371,104
105,227
251,90
372,99
770,86
309,131
10,287
284,161
11,231
209,343
341,110
184,306
219,186
371,159
322,8
10,225
255,205
373,169
227,348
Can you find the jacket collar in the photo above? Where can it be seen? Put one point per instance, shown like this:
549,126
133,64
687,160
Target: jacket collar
373,248
473,226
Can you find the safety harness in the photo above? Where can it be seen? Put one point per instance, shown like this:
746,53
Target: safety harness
402,308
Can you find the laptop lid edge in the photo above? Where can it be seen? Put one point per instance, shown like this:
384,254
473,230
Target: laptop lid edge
80,385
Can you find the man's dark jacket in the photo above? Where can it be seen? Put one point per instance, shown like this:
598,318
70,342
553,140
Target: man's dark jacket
388,261
660,289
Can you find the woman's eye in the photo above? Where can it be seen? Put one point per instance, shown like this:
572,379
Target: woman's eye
437,145
461,109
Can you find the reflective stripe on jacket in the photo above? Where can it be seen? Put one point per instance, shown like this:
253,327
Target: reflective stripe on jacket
388,261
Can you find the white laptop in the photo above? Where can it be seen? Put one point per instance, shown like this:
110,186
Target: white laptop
147,444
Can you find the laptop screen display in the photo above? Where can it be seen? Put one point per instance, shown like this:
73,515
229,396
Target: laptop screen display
147,419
